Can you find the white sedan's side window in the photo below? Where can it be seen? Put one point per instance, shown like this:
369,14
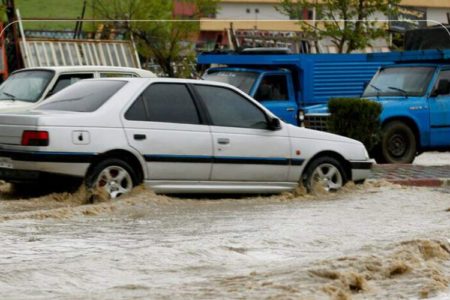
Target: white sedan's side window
116,74
228,108
65,80
137,111
164,102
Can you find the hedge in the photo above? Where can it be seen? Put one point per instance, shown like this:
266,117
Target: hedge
358,119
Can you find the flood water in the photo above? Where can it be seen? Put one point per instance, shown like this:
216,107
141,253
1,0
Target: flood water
376,241
433,159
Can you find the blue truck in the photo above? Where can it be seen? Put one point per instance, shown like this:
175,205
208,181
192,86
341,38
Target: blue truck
415,95
286,83
412,86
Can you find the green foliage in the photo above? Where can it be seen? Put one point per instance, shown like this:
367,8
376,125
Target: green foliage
358,119
56,9
356,33
164,38
3,17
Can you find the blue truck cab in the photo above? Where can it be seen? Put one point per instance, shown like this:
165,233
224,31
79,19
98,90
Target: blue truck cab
415,97
286,83
272,88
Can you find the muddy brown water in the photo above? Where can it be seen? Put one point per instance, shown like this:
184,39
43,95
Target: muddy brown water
376,241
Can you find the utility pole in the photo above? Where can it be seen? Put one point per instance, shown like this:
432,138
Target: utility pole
11,45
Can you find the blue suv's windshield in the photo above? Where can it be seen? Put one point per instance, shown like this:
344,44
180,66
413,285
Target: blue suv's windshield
400,81
240,79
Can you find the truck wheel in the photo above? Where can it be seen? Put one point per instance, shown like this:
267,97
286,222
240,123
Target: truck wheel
324,174
113,176
398,144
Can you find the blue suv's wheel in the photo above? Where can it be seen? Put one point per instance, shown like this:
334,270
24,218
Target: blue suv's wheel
398,144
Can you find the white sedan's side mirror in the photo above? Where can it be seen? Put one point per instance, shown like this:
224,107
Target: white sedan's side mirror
274,124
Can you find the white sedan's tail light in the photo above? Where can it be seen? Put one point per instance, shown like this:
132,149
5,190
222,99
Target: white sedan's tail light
35,138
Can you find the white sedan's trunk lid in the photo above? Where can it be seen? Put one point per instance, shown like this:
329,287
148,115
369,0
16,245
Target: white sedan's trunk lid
13,125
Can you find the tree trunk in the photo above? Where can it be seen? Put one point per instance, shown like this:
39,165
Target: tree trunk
362,14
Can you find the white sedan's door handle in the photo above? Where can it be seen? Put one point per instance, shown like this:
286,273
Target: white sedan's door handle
223,141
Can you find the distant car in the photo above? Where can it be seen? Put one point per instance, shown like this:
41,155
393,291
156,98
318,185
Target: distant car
29,86
177,136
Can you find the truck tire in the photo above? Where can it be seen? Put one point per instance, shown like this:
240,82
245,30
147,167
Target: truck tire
324,174
398,144
114,176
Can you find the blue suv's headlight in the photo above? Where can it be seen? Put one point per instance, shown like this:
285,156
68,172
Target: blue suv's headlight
301,117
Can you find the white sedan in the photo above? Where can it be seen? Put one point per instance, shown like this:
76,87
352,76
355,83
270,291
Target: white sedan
176,136
27,87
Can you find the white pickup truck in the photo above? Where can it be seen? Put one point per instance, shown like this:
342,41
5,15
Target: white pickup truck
29,86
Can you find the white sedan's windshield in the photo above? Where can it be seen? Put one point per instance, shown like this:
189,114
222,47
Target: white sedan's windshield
26,85
403,81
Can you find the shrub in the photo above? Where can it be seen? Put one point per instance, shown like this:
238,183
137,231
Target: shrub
358,119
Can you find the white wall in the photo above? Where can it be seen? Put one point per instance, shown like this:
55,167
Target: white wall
238,11
267,11
437,14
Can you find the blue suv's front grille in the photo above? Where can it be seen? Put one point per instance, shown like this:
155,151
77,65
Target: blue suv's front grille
317,122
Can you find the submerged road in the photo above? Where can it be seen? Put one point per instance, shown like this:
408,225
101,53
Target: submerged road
376,241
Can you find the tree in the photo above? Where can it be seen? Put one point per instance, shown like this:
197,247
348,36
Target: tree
169,43
359,29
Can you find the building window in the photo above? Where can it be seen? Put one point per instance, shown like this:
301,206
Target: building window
302,14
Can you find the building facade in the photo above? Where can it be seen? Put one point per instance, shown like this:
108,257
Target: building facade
259,23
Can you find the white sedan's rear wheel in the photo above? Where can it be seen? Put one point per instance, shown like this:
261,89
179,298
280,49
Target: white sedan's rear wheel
325,174
113,176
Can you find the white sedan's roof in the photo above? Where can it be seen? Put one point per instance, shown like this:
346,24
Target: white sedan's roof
174,80
140,81
61,69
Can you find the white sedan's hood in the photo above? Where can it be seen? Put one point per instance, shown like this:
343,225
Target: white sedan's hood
302,132
350,149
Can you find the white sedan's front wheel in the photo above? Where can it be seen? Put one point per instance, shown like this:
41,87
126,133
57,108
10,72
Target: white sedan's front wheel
324,174
113,176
